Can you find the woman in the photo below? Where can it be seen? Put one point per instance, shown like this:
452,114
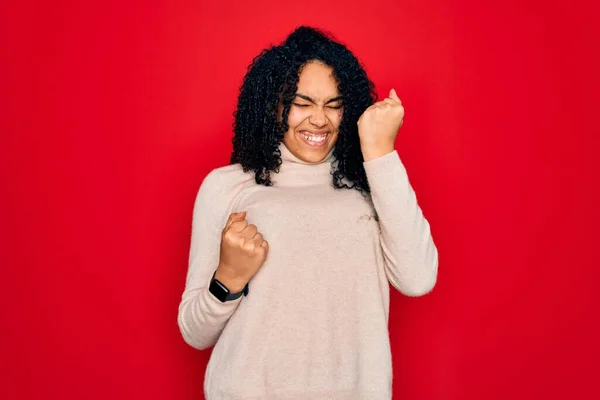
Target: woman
294,243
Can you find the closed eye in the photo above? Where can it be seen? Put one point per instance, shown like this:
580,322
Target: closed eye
308,105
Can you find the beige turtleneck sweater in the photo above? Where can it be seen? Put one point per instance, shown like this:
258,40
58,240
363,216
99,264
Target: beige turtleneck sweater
315,322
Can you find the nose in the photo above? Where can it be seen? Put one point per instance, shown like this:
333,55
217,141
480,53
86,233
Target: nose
318,118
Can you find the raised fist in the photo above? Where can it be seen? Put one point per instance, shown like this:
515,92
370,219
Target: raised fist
378,126
243,252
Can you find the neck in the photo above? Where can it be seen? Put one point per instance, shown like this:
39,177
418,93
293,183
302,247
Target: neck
296,172
288,157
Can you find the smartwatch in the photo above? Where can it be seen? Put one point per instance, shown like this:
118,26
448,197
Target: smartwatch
220,291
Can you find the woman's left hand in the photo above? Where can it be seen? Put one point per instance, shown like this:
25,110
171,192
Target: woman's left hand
378,126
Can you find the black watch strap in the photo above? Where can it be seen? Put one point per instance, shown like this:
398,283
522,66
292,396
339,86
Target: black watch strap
221,292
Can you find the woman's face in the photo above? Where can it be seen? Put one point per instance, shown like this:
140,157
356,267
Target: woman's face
315,114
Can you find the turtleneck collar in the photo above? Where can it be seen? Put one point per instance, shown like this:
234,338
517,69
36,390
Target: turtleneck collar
288,157
298,173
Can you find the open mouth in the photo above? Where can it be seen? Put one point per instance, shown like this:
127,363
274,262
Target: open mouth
316,139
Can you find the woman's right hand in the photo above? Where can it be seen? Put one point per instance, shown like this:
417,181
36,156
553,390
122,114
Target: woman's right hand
243,252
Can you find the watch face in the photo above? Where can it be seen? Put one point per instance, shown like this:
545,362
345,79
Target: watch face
218,290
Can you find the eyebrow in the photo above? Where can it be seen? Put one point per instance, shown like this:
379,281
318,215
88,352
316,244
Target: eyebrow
305,97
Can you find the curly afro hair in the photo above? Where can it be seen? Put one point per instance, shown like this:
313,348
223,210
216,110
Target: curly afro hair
273,77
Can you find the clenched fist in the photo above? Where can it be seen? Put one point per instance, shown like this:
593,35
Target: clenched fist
379,125
243,252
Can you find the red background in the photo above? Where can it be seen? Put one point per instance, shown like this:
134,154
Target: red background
112,113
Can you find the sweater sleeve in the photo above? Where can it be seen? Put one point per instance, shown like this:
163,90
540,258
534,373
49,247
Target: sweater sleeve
202,316
411,257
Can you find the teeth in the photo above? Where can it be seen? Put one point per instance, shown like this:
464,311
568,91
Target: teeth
314,138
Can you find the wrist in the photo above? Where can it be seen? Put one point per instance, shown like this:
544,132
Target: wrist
371,152
233,282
